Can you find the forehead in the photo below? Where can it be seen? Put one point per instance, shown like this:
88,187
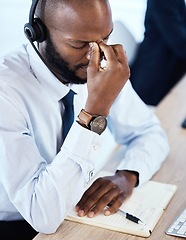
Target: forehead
85,21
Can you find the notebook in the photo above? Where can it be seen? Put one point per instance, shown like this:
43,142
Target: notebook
148,202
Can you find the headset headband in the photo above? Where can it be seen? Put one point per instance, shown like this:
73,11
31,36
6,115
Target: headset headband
35,29
32,11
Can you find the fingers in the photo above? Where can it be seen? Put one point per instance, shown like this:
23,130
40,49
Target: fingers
115,205
88,193
113,53
103,202
97,197
94,61
120,53
92,197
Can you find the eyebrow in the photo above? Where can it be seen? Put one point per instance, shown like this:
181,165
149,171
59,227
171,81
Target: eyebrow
84,41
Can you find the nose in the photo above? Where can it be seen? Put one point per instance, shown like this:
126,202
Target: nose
105,41
88,52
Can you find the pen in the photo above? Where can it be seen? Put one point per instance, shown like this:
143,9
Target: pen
130,217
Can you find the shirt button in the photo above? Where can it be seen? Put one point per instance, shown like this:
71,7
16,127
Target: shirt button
91,175
96,147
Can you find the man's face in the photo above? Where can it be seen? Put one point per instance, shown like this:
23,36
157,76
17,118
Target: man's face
70,32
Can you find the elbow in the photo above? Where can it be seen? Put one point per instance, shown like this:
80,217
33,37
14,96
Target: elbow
164,147
46,222
49,227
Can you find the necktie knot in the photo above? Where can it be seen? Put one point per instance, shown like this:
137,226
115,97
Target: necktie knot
68,99
68,115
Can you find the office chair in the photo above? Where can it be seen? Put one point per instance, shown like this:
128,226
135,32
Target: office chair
122,35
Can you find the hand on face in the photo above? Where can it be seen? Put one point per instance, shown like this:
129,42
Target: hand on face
104,84
106,191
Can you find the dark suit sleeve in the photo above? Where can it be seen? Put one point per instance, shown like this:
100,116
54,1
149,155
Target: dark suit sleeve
170,19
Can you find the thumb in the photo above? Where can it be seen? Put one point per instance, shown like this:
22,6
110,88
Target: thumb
94,62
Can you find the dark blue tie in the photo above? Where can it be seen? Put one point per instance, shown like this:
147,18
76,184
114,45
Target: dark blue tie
68,115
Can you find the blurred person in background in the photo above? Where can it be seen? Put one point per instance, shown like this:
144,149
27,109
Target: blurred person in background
161,58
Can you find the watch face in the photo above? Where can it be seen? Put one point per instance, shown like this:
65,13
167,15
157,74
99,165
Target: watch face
98,124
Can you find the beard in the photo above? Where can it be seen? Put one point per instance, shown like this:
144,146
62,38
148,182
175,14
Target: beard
64,72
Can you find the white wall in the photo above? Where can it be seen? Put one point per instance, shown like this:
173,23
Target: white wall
14,14
131,13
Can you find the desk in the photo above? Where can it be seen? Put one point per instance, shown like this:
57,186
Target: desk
171,111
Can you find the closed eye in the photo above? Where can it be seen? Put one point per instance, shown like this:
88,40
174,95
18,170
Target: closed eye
87,43
84,45
107,38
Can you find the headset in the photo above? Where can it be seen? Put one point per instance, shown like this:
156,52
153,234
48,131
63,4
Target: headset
35,29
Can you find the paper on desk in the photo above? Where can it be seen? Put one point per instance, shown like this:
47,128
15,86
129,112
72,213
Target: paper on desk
147,202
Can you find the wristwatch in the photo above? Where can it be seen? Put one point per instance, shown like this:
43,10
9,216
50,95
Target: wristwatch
95,123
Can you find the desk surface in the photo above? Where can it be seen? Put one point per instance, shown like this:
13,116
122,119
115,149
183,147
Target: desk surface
171,112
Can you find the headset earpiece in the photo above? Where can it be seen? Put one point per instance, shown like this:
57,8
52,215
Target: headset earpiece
36,31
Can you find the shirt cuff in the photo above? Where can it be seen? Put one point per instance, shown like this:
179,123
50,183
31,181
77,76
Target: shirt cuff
82,146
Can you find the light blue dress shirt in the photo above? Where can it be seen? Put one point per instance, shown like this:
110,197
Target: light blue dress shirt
42,177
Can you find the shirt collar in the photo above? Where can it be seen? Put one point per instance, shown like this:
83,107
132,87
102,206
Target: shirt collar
53,86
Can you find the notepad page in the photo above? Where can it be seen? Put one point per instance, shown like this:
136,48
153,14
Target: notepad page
147,203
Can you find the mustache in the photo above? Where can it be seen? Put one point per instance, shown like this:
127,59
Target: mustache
78,66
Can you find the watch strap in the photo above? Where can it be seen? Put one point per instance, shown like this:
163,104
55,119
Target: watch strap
85,118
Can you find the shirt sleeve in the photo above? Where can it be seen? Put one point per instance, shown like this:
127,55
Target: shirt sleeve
135,125
41,191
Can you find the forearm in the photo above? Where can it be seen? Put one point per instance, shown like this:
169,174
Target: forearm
49,189
144,157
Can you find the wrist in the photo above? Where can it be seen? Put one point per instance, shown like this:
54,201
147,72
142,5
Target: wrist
95,109
95,123
132,176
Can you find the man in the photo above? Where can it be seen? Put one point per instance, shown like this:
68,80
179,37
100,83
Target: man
43,175
161,58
